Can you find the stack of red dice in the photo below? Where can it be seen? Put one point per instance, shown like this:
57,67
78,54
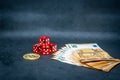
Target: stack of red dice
44,46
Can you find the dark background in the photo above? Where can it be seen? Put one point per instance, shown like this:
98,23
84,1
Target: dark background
65,21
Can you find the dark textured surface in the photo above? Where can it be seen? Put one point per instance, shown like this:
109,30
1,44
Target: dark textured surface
65,21
14,67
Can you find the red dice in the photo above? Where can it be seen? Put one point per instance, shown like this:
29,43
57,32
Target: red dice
53,47
46,51
36,48
44,40
44,46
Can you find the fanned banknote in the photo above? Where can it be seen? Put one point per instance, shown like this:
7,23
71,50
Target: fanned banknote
87,55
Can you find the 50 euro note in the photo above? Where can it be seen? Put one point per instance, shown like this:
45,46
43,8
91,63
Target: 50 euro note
104,65
64,54
87,55
94,57
88,51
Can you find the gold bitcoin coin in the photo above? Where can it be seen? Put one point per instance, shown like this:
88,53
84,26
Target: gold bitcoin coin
31,56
